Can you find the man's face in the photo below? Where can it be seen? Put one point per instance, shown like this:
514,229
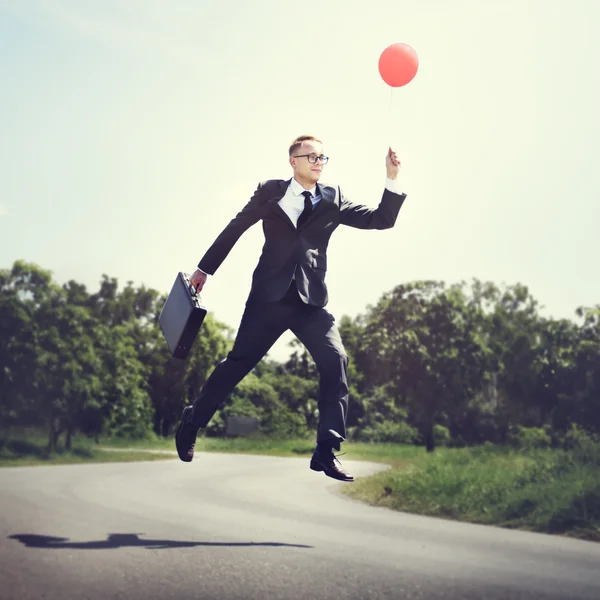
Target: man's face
304,170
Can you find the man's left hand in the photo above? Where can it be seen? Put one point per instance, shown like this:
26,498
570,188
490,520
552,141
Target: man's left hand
392,164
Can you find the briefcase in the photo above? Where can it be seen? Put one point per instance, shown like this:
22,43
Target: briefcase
181,316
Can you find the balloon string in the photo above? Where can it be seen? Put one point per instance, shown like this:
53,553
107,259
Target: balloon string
390,120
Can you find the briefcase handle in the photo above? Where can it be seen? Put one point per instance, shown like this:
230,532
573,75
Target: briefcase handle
192,290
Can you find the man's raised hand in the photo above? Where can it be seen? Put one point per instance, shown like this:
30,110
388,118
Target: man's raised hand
392,164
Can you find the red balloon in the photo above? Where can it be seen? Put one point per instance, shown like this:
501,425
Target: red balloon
398,64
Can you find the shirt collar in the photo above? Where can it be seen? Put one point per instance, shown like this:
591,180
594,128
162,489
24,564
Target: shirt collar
298,189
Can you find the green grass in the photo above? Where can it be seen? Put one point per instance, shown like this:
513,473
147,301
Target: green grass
393,454
31,450
550,491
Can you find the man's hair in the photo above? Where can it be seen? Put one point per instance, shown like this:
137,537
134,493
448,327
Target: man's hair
298,142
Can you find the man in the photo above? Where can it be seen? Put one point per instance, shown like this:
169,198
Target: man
288,291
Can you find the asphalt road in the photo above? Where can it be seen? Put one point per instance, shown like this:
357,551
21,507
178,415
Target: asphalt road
250,527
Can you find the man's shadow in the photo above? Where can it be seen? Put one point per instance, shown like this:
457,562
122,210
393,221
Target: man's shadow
121,540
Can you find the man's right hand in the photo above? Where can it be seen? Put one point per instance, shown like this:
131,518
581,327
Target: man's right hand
198,279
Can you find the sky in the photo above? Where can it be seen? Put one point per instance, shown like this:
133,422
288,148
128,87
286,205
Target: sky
132,132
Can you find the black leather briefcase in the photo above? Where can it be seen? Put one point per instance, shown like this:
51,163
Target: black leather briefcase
181,316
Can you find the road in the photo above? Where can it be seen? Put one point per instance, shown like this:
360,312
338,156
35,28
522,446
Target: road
229,527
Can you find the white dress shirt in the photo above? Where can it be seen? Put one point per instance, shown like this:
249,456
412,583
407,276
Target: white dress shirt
292,202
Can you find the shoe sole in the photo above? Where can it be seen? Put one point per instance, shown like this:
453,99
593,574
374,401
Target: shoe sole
183,458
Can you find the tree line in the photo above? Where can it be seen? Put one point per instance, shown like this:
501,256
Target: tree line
430,363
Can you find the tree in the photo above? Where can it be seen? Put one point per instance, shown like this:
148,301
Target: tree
425,343
579,400
18,352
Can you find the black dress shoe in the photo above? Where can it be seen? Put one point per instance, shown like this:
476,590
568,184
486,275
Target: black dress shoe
327,462
185,438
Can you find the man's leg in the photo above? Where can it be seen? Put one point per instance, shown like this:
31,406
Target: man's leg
260,327
316,329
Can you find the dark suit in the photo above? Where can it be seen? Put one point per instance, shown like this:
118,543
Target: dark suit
289,292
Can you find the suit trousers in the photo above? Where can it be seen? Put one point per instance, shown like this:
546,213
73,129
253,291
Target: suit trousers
261,326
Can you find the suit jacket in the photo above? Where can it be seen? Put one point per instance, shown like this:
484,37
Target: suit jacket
289,251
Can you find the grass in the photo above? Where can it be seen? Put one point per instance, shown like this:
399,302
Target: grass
392,454
550,491
31,451
30,448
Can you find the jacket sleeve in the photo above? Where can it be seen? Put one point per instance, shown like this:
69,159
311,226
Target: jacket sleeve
363,217
226,240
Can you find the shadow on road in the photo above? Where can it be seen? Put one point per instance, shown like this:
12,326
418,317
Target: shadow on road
121,540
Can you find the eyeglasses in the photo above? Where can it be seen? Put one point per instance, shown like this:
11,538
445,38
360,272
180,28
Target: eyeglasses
313,158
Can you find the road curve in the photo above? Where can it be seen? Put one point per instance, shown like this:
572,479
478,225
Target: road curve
241,527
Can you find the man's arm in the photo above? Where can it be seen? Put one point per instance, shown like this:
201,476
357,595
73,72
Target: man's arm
384,216
221,247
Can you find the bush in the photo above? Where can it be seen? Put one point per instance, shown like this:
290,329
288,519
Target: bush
583,445
441,435
387,432
284,423
529,438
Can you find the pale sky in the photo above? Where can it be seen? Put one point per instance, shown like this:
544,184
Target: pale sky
131,132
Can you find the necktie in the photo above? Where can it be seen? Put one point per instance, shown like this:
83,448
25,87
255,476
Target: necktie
308,206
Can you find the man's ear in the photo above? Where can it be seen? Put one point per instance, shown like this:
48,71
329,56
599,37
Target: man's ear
292,161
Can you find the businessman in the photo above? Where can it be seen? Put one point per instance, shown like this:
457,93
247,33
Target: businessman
288,291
